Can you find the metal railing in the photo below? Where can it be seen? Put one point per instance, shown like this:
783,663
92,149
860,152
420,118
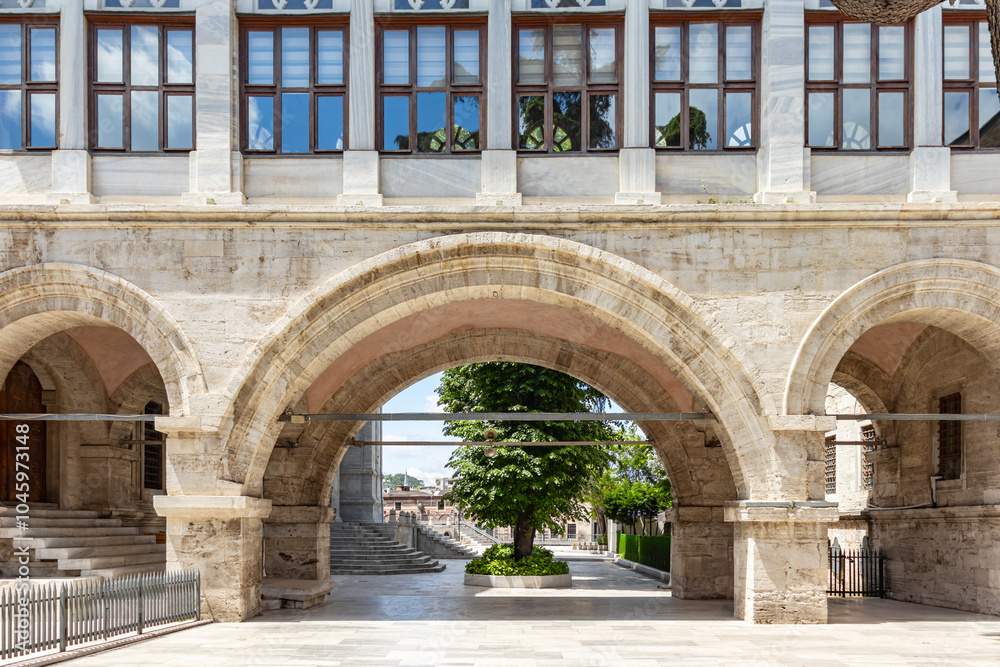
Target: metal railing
858,573
61,615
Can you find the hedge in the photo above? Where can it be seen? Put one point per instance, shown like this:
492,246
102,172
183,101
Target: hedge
651,550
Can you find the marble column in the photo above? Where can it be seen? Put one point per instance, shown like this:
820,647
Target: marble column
930,161
222,537
297,542
361,160
636,160
781,560
216,166
499,160
783,159
71,181
701,554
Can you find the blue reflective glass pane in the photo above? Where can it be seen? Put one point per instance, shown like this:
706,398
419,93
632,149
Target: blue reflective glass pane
857,52
432,136
567,121
396,57
180,122
603,56
603,123
531,56
986,70
704,53
989,118
10,58
857,120
956,119
956,52
466,65
260,123
180,56
821,50
466,135
43,119
667,121
330,57
739,54
891,116
667,53
330,123
891,53
109,121
294,58
396,123
821,107
739,120
295,122
567,55
10,119
260,57
43,54
109,56
703,118
145,54
430,56
145,120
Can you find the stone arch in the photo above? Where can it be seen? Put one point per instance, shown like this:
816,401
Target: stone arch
304,475
131,397
603,287
959,296
37,301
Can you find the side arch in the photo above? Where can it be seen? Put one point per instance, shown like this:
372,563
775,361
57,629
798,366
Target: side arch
959,296
38,301
494,265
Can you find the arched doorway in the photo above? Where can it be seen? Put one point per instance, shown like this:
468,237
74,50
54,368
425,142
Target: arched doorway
23,445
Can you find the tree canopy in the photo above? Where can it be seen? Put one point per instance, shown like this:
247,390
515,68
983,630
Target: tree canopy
398,479
527,488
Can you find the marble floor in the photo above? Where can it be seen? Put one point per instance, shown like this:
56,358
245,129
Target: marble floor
611,616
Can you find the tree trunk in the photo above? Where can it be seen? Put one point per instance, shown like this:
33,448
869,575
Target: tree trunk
524,536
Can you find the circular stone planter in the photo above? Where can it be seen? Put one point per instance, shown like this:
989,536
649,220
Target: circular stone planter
496,581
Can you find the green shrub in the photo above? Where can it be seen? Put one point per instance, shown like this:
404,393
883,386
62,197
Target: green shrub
498,560
651,550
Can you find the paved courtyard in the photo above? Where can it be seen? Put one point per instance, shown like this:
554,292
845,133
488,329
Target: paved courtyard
611,616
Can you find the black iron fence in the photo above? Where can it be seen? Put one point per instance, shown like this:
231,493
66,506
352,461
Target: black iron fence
57,616
859,573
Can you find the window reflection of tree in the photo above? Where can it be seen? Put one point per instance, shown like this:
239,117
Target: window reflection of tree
532,122
698,134
602,121
566,121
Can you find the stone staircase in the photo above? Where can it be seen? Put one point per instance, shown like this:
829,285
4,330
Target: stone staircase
359,549
472,537
71,543
460,549
450,547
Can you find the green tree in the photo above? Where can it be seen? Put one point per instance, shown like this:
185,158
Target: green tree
634,486
398,479
527,488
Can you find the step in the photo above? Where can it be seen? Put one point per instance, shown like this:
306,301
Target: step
38,513
376,571
59,542
114,561
68,532
386,561
97,551
10,522
123,571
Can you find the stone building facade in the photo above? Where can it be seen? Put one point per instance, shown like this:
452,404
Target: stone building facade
244,212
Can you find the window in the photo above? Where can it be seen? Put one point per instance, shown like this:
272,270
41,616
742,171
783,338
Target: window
704,84
399,506
950,438
567,86
28,101
142,91
571,530
867,467
430,86
971,105
831,464
152,453
857,85
440,504
294,88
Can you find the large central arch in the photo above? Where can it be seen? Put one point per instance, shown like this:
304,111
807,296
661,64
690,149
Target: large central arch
607,289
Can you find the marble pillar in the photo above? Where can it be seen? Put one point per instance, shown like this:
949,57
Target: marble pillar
361,160
636,160
499,159
222,536
701,554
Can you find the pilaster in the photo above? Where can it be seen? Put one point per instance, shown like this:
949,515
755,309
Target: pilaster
701,558
71,162
216,166
930,161
782,164
499,160
361,159
222,537
636,161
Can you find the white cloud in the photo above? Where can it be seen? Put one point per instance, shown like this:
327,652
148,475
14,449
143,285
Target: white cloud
392,437
432,404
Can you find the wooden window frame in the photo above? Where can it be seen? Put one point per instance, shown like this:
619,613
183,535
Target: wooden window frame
274,90
954,433
683,87
874,84
163,89
28,87
586,88
972,85
410,23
